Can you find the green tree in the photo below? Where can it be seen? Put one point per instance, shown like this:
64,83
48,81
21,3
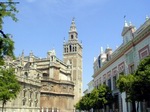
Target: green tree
7,9
97,99
9,86
94,99
142,84
84,103
143,74
105,96
125,84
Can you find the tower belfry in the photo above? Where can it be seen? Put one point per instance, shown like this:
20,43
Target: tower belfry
73,54
73,35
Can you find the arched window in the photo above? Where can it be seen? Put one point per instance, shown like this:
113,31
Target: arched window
25,75
65,50
75,48
71,36
70,47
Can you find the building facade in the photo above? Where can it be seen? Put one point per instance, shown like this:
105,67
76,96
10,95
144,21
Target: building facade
57,91
125,59
28,99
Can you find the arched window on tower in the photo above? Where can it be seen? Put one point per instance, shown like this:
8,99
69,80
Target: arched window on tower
75,48
67,49
70,47
71,36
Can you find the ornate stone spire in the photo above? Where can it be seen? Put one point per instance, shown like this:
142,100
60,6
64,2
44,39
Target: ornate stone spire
73,34
125,24
147,17
73,26
102,51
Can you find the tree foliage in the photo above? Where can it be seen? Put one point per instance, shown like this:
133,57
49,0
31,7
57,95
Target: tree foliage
9,86
142,85
7,9
97,99
136,85
125,84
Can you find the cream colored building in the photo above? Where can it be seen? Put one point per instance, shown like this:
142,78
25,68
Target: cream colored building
57,91
108,65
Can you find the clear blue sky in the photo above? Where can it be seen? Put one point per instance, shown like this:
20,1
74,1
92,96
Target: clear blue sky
43,24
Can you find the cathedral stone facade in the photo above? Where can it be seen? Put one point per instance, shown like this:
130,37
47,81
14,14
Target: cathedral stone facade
49,84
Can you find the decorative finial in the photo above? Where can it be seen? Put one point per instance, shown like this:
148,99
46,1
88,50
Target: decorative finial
73,26
73,18
64,40
147,17
101,50
125,24
31,53
23,52
130,24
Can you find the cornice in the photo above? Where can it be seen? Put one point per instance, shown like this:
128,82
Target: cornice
57,93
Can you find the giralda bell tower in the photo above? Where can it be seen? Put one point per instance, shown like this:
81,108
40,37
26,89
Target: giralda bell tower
72,55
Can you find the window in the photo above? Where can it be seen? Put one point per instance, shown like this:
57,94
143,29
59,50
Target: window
65,50
70,48
144,52
36,99
99,62
71,36
107,58
25,75
114,82
131,68
45,76
116,103
24,97
109,84
30,100
104,82
75,48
